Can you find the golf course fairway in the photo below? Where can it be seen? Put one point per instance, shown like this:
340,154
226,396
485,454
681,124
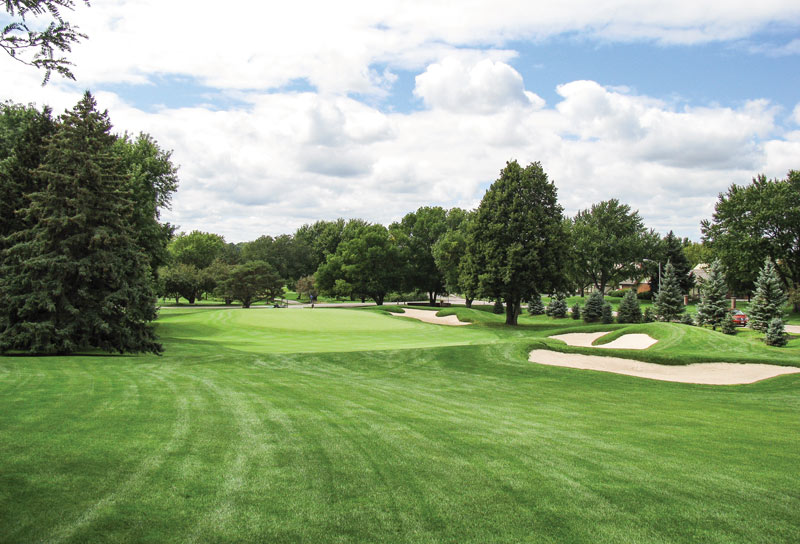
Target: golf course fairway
353,426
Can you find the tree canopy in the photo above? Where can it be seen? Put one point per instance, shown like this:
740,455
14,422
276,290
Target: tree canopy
517,241
27,38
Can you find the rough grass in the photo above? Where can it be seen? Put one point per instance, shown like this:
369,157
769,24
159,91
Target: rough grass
228,438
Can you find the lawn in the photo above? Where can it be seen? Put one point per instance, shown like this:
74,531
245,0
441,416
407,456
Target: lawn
299,425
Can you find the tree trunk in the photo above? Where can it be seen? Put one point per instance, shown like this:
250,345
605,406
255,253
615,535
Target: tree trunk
379,300
432,297
468,302
512,305
246,302
191,299
177,300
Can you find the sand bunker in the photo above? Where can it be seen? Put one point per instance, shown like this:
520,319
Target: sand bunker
431,317
626,341
702,373
792,329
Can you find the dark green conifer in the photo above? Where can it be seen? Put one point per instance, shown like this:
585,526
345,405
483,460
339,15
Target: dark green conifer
776,334
727,325
769,298
629,310
536,306
558,306
498,307
713,307
75,278
576,311
668,303
593,311
608,314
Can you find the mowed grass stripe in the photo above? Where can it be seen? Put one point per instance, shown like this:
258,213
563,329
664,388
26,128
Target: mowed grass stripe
465,443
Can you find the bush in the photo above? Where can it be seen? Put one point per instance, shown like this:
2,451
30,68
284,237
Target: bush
498,307
776,335
629,311
645,295
728,326
687,319
648,316
536,306
557,307
618,293
608,314
593,311
576,311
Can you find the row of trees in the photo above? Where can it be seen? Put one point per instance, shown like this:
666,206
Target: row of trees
80,236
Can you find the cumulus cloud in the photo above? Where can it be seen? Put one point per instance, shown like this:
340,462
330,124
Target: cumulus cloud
483,87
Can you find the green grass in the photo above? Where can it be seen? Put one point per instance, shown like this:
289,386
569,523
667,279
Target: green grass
353,426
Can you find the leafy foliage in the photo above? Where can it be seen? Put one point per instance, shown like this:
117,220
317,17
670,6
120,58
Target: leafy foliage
416,235
517,240
713,308
668,303
755,222
197,248
608,241
629,310
769,298
498,307
181,280
74,277
21,36
251,281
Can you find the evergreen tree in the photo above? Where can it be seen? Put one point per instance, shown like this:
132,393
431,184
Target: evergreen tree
648,315
769,298
76,278
687,319
712,309
728,326
557,307
608,314
593,310
668,303
776,335
498,307
536,306
576,311
629,310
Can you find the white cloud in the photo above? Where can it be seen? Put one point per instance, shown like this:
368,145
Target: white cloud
483,87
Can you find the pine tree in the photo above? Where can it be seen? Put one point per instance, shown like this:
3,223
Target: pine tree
593,310
687,319
629,310
557,307
576,311
712,309
668,303
536,306
608,314
776,334
728,326
769,298
76,279
648,315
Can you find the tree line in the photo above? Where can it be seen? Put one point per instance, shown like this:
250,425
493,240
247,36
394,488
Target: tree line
83,252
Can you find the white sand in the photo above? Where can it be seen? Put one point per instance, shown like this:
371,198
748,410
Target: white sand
702,373
792,329
430,317
626,341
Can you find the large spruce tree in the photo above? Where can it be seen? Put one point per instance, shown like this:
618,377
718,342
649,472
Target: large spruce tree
75,278
668,302
769,298
713,307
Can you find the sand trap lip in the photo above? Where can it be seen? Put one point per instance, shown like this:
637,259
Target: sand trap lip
626,341
700,373
430,317
792,329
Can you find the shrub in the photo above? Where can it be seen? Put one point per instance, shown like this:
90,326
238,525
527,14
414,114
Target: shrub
687,319
576,311
776,335
593,310
617,293
645,295
536,306
498,307
608,314
648,316
557,307
629,311
728,326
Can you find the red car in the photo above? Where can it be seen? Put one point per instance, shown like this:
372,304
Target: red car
739,318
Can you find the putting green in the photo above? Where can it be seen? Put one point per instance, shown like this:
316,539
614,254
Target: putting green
305,330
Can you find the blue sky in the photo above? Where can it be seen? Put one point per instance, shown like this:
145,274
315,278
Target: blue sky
362,109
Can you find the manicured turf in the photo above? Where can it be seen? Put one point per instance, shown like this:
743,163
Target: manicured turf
230,438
